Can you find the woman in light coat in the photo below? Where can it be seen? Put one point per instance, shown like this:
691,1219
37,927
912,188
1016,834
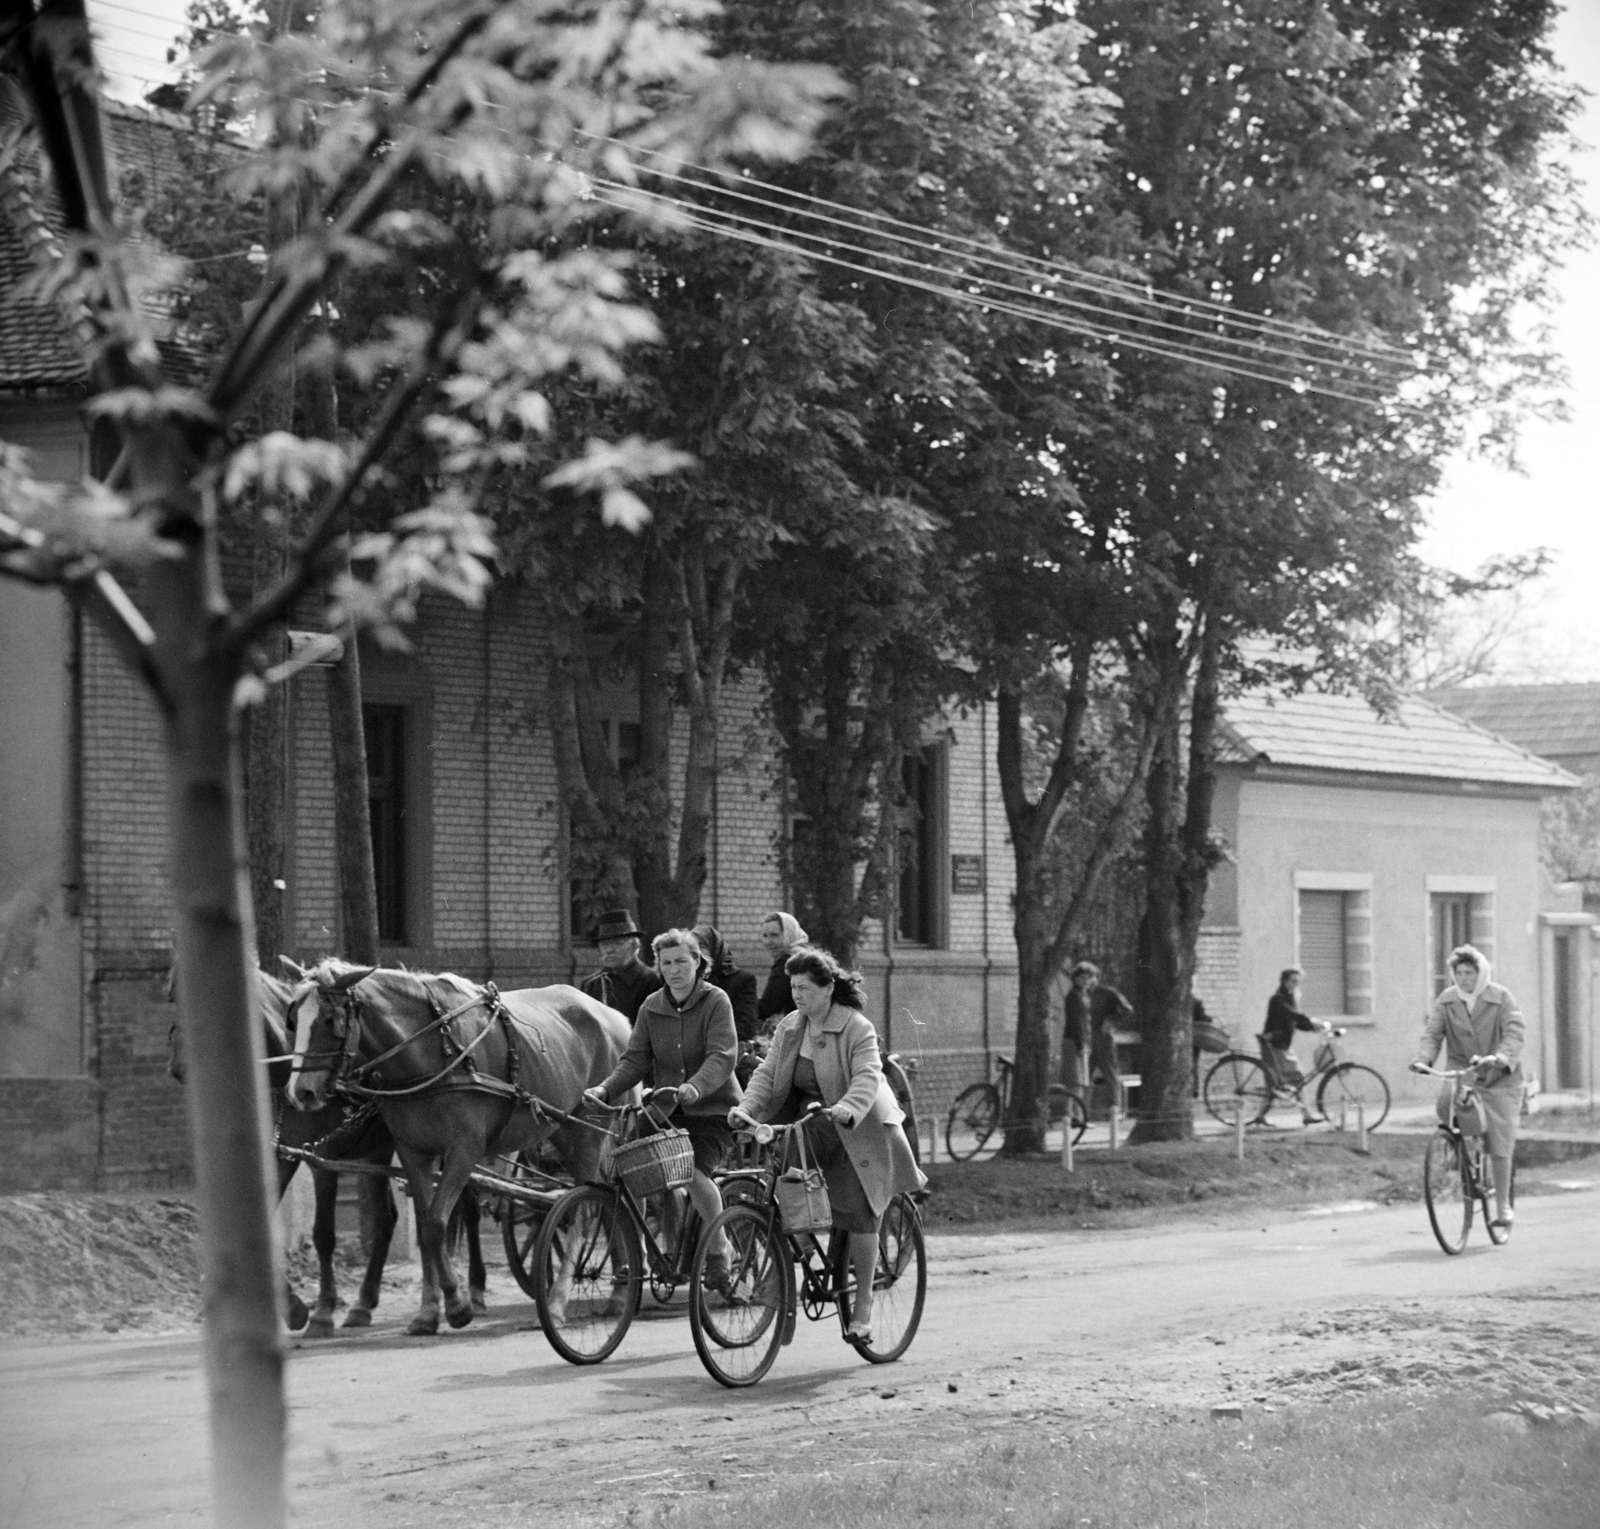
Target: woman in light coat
1480,1025
827,1050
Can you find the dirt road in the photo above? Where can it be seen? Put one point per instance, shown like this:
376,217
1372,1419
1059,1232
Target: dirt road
488,1426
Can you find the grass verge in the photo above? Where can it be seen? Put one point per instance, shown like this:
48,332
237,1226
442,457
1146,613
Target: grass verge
1364,1464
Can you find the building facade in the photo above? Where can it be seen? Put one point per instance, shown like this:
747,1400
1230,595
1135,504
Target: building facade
1363,850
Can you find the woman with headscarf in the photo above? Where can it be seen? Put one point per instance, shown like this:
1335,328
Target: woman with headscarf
1481,1027
724,972
781,936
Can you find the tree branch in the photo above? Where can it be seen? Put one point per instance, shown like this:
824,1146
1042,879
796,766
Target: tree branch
328,524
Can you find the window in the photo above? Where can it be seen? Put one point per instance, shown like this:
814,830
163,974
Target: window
1452,925
1333,942
386,803
921,849
1322,952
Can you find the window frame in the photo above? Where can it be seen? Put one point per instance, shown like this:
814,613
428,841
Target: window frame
1360,965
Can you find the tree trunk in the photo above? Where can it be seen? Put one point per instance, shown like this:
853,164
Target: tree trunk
352,809
266,729
650,789
1030,1082
1179,855
240,1263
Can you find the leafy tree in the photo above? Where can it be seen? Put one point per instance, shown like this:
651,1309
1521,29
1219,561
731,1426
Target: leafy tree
1384,172
508,105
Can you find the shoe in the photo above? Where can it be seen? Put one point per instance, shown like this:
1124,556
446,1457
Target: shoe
1504,1220
718,1275
1308,1119
858,1332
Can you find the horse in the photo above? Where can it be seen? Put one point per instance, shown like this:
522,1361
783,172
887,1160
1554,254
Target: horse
326,1130
459,1073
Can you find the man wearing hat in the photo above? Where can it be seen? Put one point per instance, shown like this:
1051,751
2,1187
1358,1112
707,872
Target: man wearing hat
1091,1011
623,981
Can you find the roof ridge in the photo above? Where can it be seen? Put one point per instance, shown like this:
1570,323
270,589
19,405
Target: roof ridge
43,248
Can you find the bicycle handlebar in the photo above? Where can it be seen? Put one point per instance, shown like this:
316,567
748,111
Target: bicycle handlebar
761,1133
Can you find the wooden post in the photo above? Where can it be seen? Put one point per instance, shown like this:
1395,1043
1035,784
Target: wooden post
1361,1128
1116,1113
1238,1126
1066,1138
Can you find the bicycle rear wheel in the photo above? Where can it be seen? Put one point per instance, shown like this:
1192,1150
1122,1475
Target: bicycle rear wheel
973,1119
1447,1186
587,1274
899,1283
738,1326
1353,1084
1236,1074
1076,1118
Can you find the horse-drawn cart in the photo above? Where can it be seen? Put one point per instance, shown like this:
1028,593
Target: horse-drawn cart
519,1199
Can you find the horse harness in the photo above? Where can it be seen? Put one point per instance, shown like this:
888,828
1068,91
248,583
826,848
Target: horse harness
460,1070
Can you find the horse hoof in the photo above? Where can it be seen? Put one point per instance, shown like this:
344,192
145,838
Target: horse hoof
423,1327
460,1316
358,1316
319,1327
480,1304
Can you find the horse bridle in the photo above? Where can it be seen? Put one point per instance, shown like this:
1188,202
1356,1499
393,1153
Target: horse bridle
347,1032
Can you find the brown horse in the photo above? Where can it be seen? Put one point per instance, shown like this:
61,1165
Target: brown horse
325,1131
459,1073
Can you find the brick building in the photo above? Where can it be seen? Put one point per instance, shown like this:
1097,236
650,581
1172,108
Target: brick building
468,823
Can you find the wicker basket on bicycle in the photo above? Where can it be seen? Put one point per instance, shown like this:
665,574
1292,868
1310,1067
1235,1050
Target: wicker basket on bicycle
650,1164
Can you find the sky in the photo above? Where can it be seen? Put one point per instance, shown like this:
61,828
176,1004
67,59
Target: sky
1481,509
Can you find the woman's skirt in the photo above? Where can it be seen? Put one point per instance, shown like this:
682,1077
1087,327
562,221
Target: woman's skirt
852,1210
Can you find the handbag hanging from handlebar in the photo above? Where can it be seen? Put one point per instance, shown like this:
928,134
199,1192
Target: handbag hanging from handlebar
803,1194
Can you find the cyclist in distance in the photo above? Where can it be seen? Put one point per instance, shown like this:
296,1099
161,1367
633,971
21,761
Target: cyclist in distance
1090,1012
1277,1036
781,936
1481,1026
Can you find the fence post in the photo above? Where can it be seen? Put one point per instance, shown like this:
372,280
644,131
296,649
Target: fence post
933,1138
1066,1139
1361,1128
1238,1126
1116,1114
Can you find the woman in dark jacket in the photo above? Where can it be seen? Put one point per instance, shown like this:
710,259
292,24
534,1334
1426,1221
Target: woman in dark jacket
683,1039
733,979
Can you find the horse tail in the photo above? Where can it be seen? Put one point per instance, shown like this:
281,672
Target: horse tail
466,1207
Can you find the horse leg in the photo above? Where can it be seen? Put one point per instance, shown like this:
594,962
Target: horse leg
430,1239
477,1276
295,1311
458,1164
324,1240
383,1217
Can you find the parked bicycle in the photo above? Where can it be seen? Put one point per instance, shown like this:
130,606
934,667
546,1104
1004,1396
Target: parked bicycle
599,1242
980,1107
1346,1092
740,1323
1455,1173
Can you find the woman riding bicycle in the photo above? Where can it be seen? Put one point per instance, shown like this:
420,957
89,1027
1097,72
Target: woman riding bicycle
1480,1025
684,1039
827,1050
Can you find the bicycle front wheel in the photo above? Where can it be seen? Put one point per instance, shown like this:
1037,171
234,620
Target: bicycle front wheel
738,1322
1241,1077
1448,1188
587,1274
899,1283
973,1120
1353,1092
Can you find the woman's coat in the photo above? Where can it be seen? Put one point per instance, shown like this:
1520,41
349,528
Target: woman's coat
1486,1022
849,1072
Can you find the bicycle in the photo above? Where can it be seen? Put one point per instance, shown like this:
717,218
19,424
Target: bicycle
1342,1086
980,1107
595,1248
739,1325
1456,1172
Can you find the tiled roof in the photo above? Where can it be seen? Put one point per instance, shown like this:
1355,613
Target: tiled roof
1336,732
37,351
1558,721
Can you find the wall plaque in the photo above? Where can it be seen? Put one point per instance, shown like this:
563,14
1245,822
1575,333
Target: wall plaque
966,873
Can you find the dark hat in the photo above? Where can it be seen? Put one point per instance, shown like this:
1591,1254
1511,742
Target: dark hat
614,924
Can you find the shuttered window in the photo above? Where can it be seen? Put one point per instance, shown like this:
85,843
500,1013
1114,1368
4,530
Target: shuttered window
1322,953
